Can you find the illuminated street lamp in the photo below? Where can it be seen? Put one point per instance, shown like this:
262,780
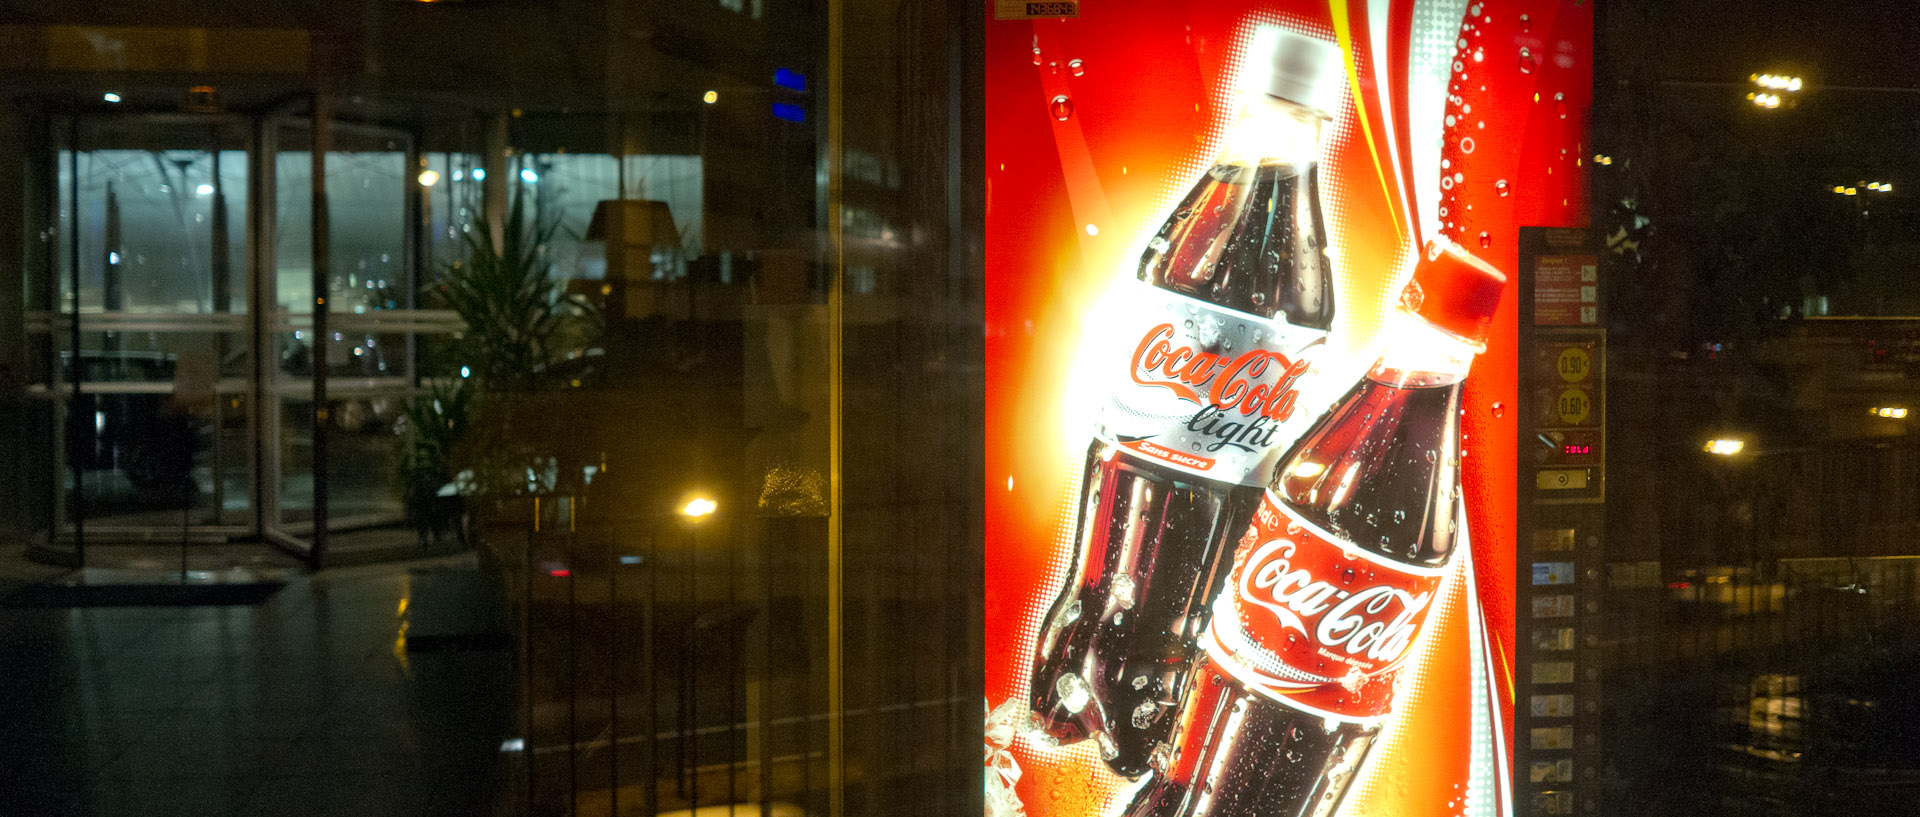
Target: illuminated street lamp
699,507
1889,412
1771,87
1725,447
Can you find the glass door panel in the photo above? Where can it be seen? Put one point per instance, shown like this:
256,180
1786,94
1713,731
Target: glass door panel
367,357
158,436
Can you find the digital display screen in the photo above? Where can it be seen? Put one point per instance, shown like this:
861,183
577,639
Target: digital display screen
1572,449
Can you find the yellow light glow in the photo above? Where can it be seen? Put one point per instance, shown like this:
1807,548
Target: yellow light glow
1841,189
1853,191
1890,412
1308,469
699,507
1725,447
429,178
710,97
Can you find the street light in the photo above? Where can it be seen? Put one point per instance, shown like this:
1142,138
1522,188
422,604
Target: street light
1771,86
699,507
1889,412
1725,447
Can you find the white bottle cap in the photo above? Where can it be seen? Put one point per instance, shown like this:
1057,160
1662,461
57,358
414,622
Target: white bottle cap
1301,69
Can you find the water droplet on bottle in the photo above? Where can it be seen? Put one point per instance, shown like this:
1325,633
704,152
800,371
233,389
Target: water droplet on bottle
1526,60
1259,298
1431,456
1399,516
1189,323
1140,682
1459,66
1560,106
1499,409
1503,187
1293,756
1143,716
1346,576
1466,144
1076,67
1036,51
1486,239
1479,55
1061,107
1526,23
1451,120
1446,182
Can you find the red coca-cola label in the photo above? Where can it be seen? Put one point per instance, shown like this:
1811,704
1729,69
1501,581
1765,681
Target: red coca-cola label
1230,383
1208,390
1312,621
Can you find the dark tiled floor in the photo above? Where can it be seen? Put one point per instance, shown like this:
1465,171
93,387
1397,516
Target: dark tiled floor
305,705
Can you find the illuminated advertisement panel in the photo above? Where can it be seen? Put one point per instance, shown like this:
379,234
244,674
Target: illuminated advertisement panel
1251,331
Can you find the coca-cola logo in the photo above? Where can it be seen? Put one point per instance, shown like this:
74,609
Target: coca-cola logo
1369,625
1227,383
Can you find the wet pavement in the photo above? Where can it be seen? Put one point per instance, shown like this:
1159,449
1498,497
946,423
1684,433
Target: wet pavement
308,703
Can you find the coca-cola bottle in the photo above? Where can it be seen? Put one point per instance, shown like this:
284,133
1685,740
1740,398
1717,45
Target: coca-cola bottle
1232,296
1334,579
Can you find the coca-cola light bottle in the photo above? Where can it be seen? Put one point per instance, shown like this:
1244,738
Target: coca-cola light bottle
1234,294
1334,579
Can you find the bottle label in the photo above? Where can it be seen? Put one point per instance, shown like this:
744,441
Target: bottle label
1211,391
1314,622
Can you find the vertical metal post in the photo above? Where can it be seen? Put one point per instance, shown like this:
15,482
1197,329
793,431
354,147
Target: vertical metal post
613,673
320,144
836,312
220,270
573,666
652,564
690,739
526,641
736,644
75,422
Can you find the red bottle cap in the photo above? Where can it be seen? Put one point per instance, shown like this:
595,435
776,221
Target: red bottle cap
1455,291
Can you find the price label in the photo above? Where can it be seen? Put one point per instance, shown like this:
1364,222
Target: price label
1021,10
1575,406
1575,364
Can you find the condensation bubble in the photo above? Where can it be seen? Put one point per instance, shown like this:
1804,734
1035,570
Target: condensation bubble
1076,67
1466,144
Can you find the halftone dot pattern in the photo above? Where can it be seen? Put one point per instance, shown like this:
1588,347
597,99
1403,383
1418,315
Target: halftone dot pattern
1058,565
1430,53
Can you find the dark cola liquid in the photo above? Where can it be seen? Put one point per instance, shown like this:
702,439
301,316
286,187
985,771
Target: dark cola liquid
1396,436
1237,240
1242,754
1116,648
1378,469
1248,237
